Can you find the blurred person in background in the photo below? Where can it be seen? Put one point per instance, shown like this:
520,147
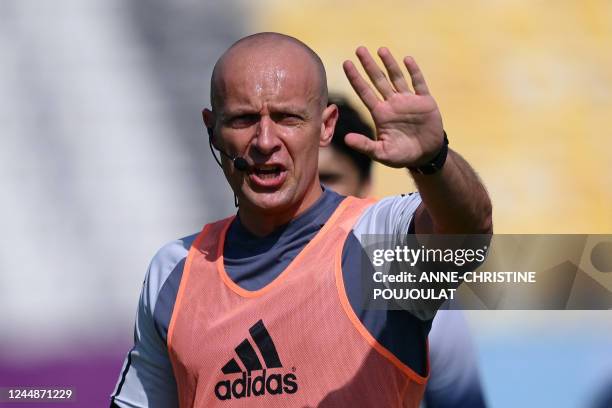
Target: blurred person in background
255,310
454,380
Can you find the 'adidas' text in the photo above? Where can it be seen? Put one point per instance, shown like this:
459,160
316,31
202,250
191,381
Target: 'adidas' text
247,386
254,386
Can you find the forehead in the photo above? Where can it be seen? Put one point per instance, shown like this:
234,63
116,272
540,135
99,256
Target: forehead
254,76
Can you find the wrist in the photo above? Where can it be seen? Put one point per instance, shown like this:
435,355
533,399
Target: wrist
436,163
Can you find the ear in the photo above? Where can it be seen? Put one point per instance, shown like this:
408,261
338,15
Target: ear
209,122
209,118
328,124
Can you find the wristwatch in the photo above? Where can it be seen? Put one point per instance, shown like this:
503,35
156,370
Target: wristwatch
436,163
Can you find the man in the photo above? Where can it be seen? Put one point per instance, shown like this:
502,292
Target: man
342,169
258,309
453,376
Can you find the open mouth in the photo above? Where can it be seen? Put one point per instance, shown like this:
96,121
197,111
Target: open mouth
267,172
269,175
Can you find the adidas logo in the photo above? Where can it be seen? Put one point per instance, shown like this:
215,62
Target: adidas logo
253,386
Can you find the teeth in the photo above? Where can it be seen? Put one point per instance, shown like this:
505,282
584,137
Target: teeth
267,169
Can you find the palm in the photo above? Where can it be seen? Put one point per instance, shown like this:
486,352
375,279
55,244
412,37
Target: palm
408,125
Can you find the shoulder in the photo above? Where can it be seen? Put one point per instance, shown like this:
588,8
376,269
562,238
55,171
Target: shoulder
147,378
388,215
164,262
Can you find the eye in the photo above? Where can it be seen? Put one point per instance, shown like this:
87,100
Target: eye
243,121
287,118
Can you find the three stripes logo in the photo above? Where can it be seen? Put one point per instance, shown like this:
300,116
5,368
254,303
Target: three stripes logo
253,386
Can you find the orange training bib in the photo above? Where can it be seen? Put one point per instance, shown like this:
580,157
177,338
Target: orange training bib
294,343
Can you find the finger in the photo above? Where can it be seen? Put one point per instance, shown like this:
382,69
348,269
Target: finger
418,81
395,73
361,143
362,88
376,75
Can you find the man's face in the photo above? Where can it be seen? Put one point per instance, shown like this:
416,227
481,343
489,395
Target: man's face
338,172
270,113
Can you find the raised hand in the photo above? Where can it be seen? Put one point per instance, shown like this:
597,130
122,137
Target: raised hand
408,124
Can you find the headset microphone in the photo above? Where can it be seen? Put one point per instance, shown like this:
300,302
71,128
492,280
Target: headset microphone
240,163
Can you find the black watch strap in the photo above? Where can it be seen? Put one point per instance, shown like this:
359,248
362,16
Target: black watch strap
436,163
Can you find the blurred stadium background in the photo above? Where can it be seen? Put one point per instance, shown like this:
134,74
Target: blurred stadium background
103,159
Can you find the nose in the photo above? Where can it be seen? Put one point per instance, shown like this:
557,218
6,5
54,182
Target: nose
266,140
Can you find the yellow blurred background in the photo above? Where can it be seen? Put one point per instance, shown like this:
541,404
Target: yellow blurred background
524,87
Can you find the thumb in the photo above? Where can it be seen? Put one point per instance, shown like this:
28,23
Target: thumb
361,143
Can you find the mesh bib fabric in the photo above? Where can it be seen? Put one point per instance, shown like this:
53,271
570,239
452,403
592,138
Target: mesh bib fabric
294,343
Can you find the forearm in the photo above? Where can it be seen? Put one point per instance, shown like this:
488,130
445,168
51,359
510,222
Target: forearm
455,198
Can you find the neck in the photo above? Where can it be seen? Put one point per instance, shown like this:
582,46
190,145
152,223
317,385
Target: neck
262,223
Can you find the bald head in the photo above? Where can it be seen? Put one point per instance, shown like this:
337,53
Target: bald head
273,54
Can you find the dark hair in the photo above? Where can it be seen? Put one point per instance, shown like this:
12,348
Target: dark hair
349,121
